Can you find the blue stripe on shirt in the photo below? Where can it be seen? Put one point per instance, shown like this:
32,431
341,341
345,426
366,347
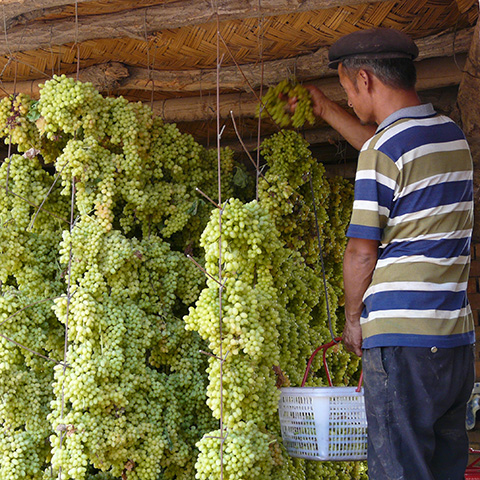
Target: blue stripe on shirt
372,191
434,196
440,341
361,231
444,248
415,300
417,136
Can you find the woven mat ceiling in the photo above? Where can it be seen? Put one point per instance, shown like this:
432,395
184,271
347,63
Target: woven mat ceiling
193,47
249,40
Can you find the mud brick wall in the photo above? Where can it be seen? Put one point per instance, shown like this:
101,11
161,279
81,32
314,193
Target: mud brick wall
474,298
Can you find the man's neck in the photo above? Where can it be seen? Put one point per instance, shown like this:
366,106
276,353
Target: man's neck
392,100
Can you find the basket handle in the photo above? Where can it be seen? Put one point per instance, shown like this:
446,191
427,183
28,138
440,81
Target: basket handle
325,347
476,452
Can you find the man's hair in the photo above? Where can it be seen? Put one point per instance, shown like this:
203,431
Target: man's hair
393,72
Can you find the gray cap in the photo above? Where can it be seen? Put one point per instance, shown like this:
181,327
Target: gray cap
372,43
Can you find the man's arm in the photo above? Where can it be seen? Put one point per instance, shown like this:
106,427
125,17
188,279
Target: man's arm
358,264
348,126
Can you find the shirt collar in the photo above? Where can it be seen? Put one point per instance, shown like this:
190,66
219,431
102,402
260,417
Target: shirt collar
418,111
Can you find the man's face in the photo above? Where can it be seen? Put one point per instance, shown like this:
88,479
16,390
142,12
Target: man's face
357,95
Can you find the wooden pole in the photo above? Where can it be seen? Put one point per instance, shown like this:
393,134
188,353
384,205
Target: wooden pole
432,73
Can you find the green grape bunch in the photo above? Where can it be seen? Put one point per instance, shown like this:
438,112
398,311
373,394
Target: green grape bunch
276,104
140,400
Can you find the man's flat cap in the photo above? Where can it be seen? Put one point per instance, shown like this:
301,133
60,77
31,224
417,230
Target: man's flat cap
372,43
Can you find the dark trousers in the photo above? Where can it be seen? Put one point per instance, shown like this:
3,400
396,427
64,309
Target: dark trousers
415,400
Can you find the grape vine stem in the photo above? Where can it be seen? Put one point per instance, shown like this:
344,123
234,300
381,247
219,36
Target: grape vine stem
33,204
216,205
203,270
29,306
220,212
64,365
45,199
254,163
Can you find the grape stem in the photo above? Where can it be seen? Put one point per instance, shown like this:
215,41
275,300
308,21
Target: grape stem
33,204
259,172
203,270
64,365
211,355
45,199
29,306
208,198
215,356
222,439
246,79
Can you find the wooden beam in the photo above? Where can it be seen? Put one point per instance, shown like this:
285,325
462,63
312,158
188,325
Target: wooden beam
431,73
104,77
20,11
445,44
313,137
136,22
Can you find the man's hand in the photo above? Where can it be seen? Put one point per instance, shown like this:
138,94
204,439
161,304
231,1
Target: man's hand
348,126
352,337
359,262
319,101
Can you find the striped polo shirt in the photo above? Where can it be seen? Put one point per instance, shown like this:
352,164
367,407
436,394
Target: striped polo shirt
414,194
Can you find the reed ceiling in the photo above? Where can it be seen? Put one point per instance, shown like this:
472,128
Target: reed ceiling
167,50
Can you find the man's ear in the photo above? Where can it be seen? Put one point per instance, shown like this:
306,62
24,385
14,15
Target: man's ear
364,79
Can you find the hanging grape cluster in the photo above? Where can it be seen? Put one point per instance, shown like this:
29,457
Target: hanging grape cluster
275,104
131,399
97,207
273,309
29,275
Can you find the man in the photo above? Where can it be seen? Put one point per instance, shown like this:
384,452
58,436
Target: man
406,265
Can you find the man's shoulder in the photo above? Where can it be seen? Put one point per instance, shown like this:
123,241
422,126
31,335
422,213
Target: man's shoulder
408,134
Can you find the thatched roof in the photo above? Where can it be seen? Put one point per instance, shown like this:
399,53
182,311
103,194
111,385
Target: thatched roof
165,51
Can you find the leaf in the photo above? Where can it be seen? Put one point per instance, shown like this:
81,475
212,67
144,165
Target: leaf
240,179
31,153
33,114
193,210
41,124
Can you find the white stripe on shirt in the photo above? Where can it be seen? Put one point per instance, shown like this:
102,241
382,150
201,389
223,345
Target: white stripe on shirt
444,262
434,236
415,287
378,177
430,212
371,207
413,122
434,180
404,313
430,148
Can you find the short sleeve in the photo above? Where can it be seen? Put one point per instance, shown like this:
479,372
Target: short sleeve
375,184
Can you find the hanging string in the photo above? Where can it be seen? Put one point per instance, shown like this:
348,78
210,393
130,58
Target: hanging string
327,303
76,40
259,126
220,259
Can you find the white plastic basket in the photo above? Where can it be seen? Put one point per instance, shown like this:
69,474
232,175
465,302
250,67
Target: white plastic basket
324,423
